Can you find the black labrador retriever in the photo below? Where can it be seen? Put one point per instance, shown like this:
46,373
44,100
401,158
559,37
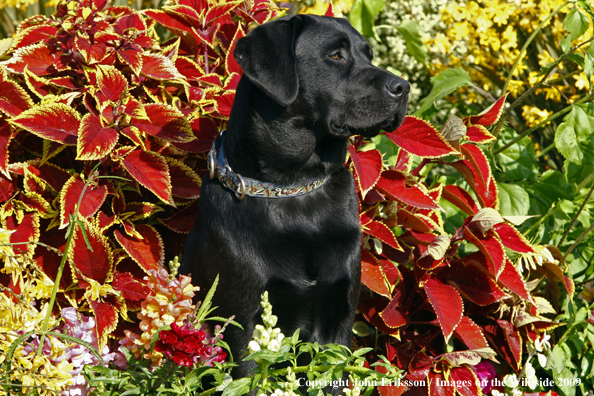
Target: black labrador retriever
279,211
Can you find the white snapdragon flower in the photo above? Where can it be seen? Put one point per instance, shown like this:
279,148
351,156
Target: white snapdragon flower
531,379
543,347
511,381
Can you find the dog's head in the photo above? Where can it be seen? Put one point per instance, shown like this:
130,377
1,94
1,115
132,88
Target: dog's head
321,66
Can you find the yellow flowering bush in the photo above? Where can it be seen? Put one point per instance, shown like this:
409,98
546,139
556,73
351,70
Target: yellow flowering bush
485,37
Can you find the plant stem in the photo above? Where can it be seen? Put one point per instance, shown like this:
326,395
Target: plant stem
576,216
70,233
41,4
48,315
539,222
576,243
540,124
546,150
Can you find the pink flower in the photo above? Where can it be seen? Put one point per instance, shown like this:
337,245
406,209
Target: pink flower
485,371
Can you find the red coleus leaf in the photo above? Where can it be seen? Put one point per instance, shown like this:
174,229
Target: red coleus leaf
159,67
393,315
446,303
490,247
460,198
554,273
393,184
439,385
94,141
225,103
231,65
147,250
27,230
414,222
92,52
7,188
470,334
131,54
131,21
184,181
490,115
381,231
478,134
95,260
33,34
132,289
372,274
513,340
182,221
511,278
420,138
473,284
92,199
13,99
37,58
150,170
6,135
106,321
165,122
188,68
465,381
56,122
112,83
368,167
48,260
512,238
403,161
205,130
478,162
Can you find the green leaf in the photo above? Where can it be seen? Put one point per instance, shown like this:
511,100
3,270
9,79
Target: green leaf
517,161
207,303
374,7
444,84
583,123
588,66
409,30
565,43
362,351
362,15
513,200
238,387
576,23
566,141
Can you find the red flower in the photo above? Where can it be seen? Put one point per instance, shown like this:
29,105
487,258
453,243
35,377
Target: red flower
187,345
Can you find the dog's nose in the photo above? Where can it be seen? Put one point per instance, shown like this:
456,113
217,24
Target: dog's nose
397,87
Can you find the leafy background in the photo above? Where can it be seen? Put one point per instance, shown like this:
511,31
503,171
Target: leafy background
477,259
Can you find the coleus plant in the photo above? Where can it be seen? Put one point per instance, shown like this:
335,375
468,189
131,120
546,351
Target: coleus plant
99,118
441,303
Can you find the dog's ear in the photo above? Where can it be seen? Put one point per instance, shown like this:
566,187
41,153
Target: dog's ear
267,57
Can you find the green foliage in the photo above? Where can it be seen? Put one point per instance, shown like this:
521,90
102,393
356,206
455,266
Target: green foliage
444,84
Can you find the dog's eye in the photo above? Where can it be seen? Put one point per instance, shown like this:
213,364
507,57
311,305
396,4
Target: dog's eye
336,56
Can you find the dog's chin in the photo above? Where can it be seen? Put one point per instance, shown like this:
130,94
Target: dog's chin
346,130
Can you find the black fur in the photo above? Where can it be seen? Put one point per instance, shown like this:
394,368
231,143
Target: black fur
308,85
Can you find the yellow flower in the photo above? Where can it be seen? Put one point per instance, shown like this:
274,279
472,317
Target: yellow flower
534,115
97,290
515,87
544,58
581,81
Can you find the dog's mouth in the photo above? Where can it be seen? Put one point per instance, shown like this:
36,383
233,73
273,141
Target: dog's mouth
366,131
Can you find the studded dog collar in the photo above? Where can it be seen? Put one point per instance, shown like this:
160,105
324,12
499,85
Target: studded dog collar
242,186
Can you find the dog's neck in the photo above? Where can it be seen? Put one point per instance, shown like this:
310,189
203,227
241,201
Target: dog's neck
267,142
